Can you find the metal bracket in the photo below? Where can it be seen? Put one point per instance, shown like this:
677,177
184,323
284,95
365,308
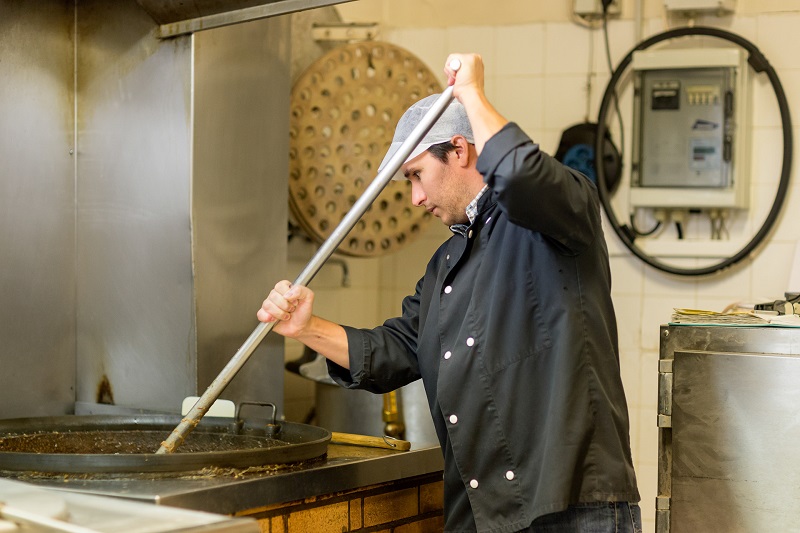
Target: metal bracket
662,503
662,514
237,16
665,393
344,32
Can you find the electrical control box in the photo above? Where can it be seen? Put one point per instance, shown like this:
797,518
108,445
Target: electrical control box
691,129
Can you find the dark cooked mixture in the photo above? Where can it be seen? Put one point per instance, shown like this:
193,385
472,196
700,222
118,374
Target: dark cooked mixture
129,442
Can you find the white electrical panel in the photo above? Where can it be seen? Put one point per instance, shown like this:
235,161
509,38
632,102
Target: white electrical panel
691,129
721,6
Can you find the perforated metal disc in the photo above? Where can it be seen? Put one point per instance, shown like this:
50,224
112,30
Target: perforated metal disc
344,109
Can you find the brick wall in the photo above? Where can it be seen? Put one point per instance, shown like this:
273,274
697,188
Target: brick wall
412,505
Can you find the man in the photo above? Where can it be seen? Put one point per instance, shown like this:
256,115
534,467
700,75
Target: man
511,328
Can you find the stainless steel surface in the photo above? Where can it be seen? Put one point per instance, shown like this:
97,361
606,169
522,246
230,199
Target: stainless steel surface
169,11
37,208
239,197
780,340
42,509
725,464
343,468
135,311
148,230
147,237
166,11
181,182
178,17
112,444
304,278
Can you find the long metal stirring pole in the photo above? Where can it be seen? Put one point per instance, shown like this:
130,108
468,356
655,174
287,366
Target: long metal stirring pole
192,418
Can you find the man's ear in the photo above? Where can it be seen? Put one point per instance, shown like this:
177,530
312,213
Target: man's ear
462,150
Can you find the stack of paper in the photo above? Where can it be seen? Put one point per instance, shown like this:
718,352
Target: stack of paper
699,316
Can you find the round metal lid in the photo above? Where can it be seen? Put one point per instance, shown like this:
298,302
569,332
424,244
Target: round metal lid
344,109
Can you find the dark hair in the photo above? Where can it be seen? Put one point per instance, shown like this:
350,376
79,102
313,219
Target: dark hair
442,151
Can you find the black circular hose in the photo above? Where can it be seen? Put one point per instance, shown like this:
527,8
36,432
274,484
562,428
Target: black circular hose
759,64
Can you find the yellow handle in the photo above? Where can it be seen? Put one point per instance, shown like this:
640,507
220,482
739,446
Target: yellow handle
373,442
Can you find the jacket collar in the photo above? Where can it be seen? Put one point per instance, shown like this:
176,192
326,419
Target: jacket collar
473,208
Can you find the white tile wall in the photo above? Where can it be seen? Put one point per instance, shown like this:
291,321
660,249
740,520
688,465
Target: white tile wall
520,50
627,275
521,99
480,40
536,75
765,159
630,370
779,39
430,46
565,101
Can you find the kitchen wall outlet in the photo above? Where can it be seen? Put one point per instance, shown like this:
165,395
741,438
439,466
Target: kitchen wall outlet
594,8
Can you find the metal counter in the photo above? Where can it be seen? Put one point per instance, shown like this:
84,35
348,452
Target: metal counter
235,491
28,508
728,429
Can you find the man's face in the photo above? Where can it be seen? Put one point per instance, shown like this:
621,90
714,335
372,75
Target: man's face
438,187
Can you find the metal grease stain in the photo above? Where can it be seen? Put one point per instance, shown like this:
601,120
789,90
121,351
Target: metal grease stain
104,393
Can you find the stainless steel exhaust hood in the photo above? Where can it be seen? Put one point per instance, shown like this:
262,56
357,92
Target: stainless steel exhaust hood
178,17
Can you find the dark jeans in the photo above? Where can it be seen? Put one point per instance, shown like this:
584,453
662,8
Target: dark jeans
598,517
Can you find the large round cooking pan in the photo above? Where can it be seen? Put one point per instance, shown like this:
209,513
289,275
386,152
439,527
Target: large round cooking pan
97,443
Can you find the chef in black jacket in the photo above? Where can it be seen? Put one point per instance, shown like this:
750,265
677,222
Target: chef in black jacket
511,328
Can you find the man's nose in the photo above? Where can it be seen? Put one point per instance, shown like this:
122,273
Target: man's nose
417,194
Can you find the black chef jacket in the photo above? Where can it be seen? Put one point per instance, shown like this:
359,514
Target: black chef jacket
513,333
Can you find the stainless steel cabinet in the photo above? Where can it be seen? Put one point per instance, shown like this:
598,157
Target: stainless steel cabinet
729,429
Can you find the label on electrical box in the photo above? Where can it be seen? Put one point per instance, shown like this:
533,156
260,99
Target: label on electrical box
666,95
705,154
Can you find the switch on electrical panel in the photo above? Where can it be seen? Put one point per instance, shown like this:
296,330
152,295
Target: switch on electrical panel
594,8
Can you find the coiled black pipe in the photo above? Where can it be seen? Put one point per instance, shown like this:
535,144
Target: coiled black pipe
759,64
